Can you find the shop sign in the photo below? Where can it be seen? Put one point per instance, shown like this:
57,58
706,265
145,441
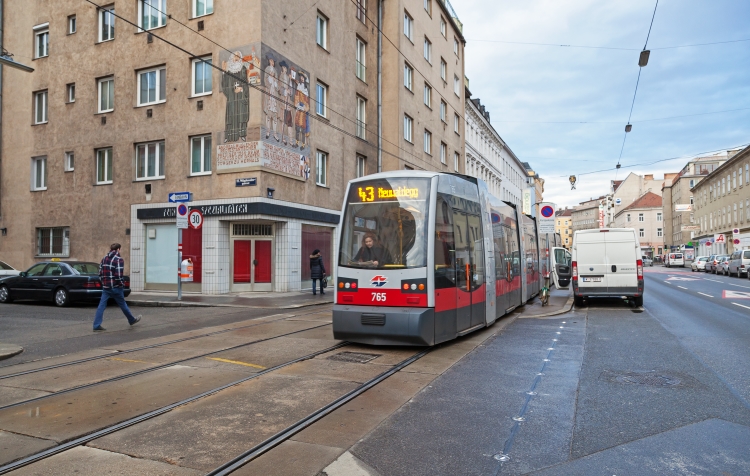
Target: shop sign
691,228
686,207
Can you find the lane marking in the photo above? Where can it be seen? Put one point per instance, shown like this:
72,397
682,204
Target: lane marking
667,282
738,285
237,362
129,360
746,307
705,294
681,287
714,280
735,294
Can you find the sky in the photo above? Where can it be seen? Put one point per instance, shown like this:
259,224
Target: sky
564,109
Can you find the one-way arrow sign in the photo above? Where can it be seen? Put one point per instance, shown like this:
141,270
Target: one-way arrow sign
180,197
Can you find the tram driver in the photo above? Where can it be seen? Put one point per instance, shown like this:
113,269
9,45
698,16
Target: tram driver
371,254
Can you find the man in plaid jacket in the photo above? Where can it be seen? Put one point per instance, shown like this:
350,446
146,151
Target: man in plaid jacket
110,271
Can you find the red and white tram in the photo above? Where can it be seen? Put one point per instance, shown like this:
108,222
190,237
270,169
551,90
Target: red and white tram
425,257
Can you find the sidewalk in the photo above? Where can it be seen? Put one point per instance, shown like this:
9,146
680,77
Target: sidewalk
266,300
9,350
560,302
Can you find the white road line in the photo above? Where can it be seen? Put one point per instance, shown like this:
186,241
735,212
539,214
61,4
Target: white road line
667,282
705,294
681,287
746,307
738,285
714,280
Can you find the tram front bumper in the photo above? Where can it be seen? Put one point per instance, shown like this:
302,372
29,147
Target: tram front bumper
384,325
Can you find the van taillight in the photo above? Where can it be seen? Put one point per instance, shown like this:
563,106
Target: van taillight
575,270
639,264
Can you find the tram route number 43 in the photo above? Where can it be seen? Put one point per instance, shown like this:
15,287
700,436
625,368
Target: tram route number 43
379,297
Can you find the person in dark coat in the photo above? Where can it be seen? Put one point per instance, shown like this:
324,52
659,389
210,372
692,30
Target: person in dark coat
317,270
371,254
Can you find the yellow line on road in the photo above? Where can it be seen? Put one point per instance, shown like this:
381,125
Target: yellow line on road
128,360
236,362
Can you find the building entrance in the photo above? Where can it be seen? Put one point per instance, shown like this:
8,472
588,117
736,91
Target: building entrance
252,257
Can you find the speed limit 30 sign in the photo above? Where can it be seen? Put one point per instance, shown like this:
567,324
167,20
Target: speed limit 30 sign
195,219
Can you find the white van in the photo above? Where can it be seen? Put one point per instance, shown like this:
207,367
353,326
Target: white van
675,259
607,262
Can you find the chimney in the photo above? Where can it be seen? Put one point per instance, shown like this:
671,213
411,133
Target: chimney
648,177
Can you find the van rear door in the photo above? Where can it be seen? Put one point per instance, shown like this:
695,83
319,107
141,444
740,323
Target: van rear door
622,257
592,263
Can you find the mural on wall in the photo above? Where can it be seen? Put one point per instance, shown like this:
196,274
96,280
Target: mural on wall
284,132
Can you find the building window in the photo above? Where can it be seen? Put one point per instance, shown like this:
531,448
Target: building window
104,166
321,106
41,41
361,118
152,14
72,26
152,86
408,26
734,180
428,6
321,167
361,58
443,69
107,23
456,85
149,161
427,50
443,111
40,107
443,153
692,183
659,233
362,11
642,233
456,124
735,213
455,46
408,73
739,176
658,216
202,76
442,26
640,217
692,201
456,158
71,88
202,7
361,166
627,217
427,95
106,90
321,35
70,158
53,241
200,155
428,142
39,173
408,124
747,173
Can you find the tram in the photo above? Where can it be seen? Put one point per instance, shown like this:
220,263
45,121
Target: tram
425,257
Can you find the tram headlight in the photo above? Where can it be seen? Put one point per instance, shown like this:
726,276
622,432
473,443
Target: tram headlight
347,285
413,287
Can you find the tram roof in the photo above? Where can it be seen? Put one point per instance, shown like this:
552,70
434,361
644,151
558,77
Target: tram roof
411,173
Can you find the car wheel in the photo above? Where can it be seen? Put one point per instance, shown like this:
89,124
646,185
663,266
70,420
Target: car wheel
638,300
578,301
61,297
5,295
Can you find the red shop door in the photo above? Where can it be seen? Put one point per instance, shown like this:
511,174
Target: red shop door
262,262
252,265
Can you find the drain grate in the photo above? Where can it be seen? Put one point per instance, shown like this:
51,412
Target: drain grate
354,357
650,378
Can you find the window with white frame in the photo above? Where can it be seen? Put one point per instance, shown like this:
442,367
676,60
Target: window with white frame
640,217
152,14
200,155
443,111
361,117
106,92
734,180
443,69
41,41
456,123
104,166
321,106
361,166
659,232
735,213
739,176
442,26
443,153
428,142
692,201
40,107
202,76
456,158
53,241
152,86
39,173
408,26
456,85
149,160
72,24
202,7
408,126
408,75
428,6
627,217
361,59
658,216
70,161
71,92
107,23
692,183
747,173
362,10
427,95
321,29
321,168
427,49
455,46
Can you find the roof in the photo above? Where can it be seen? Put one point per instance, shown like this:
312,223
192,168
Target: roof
616,184
647,200
564,213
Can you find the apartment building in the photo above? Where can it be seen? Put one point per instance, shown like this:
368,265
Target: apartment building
625,192
722,206
564,226
263,110
646,217
585,216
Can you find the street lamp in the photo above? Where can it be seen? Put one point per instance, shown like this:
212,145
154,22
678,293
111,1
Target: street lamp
572,180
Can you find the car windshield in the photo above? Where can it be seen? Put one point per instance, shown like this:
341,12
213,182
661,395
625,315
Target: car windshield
703,258
86,269
385,224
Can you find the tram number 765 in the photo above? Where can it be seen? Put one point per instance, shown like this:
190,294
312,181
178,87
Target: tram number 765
379,297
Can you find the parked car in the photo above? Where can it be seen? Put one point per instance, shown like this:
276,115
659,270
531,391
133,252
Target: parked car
62,282
699,264
710,263
7,270
675,259
723,266
647,261
739,263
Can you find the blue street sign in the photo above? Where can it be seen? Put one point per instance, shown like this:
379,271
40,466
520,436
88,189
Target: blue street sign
179,197
245,182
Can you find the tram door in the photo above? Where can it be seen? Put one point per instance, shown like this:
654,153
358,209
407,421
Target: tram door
467,230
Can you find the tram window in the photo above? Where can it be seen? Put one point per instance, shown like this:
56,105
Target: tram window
445,249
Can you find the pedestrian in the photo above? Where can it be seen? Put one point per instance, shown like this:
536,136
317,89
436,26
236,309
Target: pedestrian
110,271
317,270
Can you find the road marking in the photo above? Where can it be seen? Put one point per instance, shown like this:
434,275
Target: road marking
128,360
738,285
667,282
746,307
236,362
714,280
679,278
681,287
735,294
705,294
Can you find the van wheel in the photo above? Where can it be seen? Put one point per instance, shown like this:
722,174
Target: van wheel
638,301
578,301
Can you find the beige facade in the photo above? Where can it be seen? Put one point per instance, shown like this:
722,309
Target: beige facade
625,192
722,206
564,226
289,118
646,217
585,216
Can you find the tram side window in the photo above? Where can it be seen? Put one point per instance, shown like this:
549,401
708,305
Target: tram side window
445,248
477,247
498,238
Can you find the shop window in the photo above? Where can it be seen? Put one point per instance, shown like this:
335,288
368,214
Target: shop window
53,241
316,237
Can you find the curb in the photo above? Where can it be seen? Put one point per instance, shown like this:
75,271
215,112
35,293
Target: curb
7,351
567,307
139,303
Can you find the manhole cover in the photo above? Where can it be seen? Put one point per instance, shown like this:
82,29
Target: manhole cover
650,378
354,357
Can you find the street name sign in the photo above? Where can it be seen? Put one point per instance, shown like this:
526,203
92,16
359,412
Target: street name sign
182,216
246,182
180,197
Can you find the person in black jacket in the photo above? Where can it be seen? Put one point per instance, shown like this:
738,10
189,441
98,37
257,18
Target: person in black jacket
317,270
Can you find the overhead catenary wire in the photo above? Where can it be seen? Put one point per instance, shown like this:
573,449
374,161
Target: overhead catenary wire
634,122
562,45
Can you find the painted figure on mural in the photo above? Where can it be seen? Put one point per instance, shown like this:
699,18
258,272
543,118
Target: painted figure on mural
286,86
304,167
253,68
272,105
302,105
237,91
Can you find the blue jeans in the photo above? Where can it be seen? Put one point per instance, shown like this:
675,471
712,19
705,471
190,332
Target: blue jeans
119,297
321,286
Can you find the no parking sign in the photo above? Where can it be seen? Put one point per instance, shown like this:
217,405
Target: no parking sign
547,218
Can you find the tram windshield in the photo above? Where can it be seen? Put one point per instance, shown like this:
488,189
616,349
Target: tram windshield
385,224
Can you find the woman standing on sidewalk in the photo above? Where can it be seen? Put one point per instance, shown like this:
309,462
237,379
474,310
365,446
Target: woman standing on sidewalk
317,270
